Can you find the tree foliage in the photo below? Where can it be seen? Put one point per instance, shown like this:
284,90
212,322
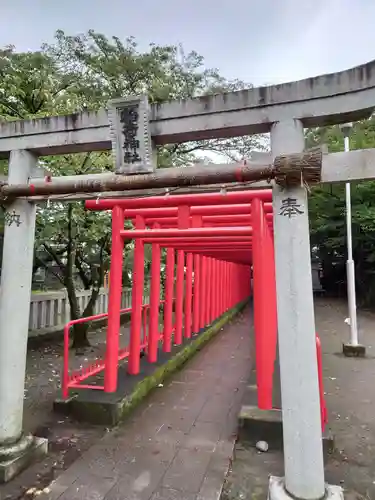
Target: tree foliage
83,72
328,222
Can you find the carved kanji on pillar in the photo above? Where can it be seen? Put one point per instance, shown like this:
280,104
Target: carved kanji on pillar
12,218
290,207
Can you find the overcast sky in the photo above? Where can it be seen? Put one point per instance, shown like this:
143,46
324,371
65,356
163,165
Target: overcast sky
258,41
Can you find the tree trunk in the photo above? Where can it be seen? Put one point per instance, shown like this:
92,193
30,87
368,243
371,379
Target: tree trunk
80,340
79,331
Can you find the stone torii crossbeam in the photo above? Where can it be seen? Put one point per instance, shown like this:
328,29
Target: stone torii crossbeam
283,111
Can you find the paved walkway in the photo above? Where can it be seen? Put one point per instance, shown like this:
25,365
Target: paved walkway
179,444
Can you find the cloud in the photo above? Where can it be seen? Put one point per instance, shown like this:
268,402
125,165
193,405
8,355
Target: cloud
337,35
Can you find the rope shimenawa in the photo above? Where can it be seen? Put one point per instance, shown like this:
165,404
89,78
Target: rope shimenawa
286,170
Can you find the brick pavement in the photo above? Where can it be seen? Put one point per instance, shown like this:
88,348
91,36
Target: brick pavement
180,443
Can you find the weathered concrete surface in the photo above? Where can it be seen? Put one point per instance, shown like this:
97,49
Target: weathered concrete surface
302,427
350,394
324,100
354,351
16,464
180,444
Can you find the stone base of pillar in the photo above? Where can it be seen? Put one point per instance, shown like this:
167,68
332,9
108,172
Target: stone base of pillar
277,491
266,425
353,351
17,457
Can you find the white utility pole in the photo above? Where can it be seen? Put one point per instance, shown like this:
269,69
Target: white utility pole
353,348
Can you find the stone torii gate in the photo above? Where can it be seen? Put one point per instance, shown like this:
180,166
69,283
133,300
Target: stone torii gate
284,111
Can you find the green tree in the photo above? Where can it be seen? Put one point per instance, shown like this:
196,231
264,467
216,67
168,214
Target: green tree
82,72
328,223
32,85
103,68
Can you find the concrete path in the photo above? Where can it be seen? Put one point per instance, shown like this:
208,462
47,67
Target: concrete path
179,444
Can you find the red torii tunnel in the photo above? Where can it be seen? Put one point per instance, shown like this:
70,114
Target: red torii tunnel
223,247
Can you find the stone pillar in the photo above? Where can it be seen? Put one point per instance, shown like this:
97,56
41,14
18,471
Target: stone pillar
303,450
16,449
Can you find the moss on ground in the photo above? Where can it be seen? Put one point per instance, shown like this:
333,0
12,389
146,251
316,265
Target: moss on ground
175,363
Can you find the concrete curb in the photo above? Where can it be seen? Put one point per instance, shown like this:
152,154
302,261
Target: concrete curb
101,408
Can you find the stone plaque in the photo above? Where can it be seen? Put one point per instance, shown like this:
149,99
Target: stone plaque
130,135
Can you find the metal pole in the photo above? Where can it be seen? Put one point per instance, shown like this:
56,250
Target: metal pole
350,270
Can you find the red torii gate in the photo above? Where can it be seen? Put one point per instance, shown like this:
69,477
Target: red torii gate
221,236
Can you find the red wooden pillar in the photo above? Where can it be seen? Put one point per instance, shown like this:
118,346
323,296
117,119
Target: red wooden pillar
196,296
239,279
218,290
137,302
207,317
263,352
153,339
225,287
232,265
215,290
272,300
168,305
114,304
230,284
234,286
234,281
203,292
179,296
197,221
212,281
219,286
183,222
188,294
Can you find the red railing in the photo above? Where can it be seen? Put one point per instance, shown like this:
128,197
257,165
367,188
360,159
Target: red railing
76,377
323,408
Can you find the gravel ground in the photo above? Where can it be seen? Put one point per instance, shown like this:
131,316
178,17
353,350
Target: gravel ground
67,439
350,394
